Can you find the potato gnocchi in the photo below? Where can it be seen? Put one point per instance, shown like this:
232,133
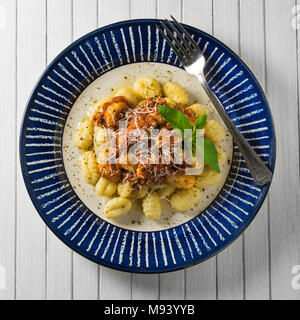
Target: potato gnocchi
84,134
129,95
184,199
116,207
104,187
214,131
118,181
152,206
89,167
198,110
147,87
208,178
124,189
175,92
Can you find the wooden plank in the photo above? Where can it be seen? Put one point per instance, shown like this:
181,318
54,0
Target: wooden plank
31,61
145,287
226,23
252,44
85,272
59,256
172,285
164,10
85,17
198,14
112,11
257,264
85,278
282,86
230,261
113,284
7,163
142,9
200,279
59,27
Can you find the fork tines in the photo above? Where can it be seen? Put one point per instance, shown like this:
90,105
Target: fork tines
182,44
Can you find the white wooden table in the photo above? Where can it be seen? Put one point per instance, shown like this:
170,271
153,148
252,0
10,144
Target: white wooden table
264,263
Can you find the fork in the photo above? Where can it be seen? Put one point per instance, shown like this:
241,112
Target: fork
194,62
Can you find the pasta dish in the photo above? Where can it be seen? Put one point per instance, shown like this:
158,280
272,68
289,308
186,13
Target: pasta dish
130,151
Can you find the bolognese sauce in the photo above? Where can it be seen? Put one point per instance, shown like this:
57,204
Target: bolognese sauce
145,116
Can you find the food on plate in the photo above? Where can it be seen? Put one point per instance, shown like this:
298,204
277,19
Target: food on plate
147,87
116,207
89,167
152,206
184,199
105,187
198,110
175,92
214,131
84,134
148,160
208,178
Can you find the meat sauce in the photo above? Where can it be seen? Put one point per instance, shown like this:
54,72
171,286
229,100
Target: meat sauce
144,116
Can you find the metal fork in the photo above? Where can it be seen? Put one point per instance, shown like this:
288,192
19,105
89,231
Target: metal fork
193,62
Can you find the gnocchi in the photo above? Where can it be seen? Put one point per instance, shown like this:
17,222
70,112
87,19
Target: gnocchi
140,193
84,134
169,102
89,167
147,87
105,187
175,92
166,190
129,95
213,131
208,178
100,138
184,181
198,110
152,206
107,170
116,207
124,189
185,199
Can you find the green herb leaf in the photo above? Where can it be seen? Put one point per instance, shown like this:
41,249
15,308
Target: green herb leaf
205,147
176,118
199,123
210,155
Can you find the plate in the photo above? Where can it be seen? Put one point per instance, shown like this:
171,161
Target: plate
71,220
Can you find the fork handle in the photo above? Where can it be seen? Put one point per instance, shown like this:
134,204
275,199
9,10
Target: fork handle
260,172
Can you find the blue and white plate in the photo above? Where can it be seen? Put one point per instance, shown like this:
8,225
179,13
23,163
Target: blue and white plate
47,183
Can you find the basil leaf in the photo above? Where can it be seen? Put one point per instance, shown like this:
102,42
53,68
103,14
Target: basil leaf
210,155
176,118
199,123
205,147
